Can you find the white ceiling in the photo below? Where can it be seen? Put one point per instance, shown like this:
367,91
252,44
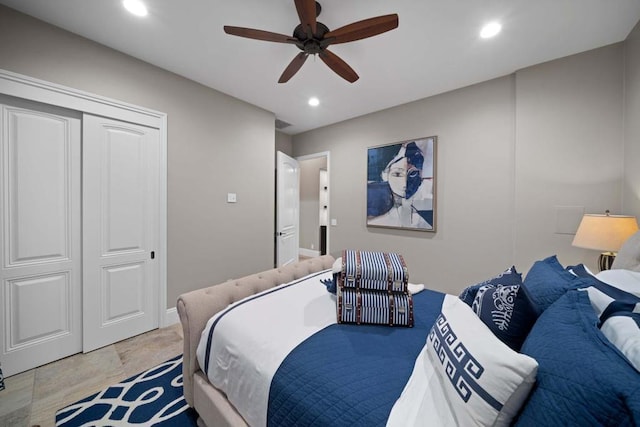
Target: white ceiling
435,49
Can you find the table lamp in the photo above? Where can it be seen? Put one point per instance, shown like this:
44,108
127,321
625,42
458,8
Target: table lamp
604,233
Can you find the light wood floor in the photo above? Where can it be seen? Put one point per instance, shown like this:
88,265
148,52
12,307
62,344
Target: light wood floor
33,397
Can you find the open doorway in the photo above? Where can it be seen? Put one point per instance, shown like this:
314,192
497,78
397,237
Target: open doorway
314,204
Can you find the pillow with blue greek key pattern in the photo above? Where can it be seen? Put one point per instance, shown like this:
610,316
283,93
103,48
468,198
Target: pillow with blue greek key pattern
464,375
547,280
507,311
508,277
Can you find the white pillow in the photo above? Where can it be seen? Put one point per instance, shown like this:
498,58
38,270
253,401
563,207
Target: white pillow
628,281
337,265
628,257
618,323
623,332
464,375
620,316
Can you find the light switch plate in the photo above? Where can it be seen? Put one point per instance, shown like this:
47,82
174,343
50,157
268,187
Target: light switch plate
231,198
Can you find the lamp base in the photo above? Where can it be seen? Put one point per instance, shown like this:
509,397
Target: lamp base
605,260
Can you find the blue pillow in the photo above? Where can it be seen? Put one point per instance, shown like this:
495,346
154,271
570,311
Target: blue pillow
507,311
582,379
580,270
508,277
547,280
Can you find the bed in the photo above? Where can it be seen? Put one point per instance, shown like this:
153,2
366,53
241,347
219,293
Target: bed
562,360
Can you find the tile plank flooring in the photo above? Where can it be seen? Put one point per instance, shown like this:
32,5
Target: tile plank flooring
32,398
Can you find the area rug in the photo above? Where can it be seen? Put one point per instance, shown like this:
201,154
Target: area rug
152,398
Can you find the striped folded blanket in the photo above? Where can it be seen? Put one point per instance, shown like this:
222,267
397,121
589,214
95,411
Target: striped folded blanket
374,307
381,271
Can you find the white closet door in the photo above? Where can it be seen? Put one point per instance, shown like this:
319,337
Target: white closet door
120,230
40,234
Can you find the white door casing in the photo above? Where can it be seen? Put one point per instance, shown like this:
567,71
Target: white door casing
40,229
120,230
287,209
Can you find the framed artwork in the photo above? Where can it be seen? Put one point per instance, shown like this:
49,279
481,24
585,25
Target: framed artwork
401,183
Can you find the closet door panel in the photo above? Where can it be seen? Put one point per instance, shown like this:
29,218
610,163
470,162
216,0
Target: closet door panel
123,187
40,227
38,187
123,290
46,295
120,230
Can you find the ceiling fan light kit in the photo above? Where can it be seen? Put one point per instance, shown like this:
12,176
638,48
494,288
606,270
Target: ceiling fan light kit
313,38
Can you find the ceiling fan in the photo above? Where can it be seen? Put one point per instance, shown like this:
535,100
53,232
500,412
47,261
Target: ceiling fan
313,38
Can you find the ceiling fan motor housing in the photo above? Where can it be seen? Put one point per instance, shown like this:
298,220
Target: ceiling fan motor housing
311,45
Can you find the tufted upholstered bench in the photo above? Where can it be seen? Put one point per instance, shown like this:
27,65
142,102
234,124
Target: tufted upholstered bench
196,308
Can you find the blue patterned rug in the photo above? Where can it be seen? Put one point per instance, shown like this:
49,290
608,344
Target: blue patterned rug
152,398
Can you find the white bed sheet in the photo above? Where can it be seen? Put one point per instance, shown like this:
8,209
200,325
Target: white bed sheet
251,340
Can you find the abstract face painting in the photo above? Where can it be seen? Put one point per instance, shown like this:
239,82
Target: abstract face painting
400,185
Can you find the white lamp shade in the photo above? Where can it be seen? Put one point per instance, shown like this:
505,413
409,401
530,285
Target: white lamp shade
604,232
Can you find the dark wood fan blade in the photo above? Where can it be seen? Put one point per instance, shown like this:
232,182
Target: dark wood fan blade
250,33
293,67
361,29
307,14
339,66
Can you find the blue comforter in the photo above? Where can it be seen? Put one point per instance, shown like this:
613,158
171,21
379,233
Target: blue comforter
350,375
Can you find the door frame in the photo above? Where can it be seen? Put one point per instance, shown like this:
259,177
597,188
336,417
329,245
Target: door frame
326,154
33,89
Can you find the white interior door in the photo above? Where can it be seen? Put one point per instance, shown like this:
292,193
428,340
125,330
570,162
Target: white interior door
40,229
120,230
287,209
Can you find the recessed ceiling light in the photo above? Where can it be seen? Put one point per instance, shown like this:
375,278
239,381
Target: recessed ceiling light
314,102
490,30
136,7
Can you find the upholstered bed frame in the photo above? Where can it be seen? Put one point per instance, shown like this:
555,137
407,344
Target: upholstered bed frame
196,308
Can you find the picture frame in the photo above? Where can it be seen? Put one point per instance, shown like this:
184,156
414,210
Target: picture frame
401,185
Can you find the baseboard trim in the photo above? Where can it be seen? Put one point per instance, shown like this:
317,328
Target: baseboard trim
308,252
171,317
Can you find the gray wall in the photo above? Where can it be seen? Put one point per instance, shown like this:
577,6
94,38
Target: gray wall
512,153
631,187
474,171
216,144
283,143
569,149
